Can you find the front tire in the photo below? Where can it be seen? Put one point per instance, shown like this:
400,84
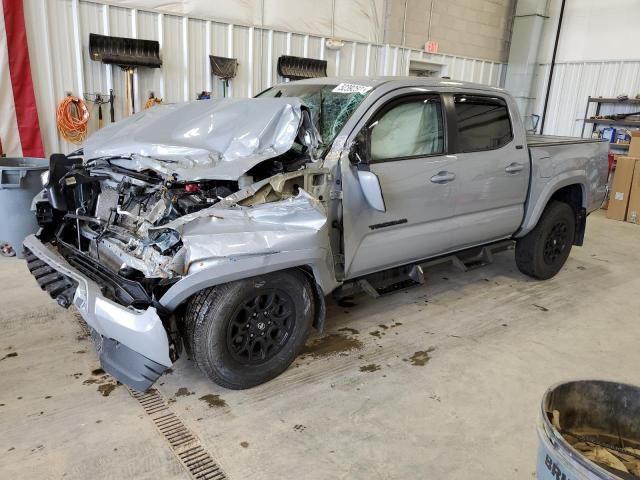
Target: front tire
245,333
543,251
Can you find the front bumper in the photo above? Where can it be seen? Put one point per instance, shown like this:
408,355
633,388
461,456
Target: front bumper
132,344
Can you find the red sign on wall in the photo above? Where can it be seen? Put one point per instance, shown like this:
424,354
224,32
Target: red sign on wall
431,46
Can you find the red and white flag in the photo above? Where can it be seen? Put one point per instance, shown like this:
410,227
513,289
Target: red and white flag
19,128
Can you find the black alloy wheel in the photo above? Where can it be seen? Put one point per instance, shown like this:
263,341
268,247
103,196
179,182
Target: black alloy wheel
261,327
246,332
556,242
543,251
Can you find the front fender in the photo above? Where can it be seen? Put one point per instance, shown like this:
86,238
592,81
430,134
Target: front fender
229,269
541,192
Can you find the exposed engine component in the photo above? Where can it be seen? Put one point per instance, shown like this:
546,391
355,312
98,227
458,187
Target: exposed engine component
102,211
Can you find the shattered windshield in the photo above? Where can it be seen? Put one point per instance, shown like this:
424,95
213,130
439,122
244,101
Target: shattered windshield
330,105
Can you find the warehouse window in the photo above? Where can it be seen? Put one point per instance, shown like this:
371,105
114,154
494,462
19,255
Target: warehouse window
483,123
412,128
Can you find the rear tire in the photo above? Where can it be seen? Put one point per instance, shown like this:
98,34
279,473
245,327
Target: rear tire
245,333
543,251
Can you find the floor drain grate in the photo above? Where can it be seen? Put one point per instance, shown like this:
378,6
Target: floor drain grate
183,441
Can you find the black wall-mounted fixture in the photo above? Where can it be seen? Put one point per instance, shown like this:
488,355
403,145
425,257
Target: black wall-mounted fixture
127,53
224,68
298,68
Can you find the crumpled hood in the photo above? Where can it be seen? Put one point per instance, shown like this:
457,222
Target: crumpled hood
206,139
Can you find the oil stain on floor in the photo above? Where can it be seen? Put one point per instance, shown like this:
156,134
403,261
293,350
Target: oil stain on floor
352,331
372,367
214,401
331,344
106,383
106,388
183,392
421,357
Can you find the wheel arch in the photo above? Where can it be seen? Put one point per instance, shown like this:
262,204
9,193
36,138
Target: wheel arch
320,314
319,273
569,189
574,195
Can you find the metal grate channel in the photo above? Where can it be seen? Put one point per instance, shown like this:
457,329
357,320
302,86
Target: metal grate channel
183,442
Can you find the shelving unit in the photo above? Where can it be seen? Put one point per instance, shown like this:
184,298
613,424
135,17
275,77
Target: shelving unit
594,122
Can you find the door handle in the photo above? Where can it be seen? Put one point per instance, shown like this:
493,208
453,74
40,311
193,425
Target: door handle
443,177
514,168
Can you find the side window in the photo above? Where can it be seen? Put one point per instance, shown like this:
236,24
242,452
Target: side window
483,123
412,128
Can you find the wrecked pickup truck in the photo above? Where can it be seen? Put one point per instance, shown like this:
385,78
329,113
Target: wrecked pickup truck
218,227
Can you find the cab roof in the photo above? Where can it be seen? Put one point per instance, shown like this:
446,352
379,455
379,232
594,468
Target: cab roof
376,81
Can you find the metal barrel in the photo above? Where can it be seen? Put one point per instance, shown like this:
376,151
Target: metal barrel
589,414
19,183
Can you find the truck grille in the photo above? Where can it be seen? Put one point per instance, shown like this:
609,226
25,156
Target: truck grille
123,291
58,286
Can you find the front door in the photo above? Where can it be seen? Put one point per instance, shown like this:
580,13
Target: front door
407,150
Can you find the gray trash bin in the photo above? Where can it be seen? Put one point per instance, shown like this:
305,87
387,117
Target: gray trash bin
19,183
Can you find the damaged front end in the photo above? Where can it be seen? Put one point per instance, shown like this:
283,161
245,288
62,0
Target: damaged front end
133,235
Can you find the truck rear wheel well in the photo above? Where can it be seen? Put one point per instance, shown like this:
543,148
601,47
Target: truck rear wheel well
573,196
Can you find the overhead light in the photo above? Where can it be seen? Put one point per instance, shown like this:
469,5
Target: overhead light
334,44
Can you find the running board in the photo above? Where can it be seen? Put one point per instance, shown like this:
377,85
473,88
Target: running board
402,278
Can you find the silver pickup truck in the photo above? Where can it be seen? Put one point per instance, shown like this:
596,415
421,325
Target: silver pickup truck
219,227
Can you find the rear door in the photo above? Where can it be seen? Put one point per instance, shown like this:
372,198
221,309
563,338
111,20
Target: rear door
408,153
492,168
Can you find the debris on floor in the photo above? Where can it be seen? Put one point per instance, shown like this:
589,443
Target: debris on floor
7,250
9,355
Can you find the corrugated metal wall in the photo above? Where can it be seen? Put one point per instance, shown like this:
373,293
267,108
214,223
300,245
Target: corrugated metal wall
573,83
59,30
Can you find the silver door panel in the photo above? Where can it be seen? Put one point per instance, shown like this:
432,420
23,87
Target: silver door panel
409,198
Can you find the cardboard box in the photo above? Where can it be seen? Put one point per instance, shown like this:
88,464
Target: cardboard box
633,209
622,179
634,146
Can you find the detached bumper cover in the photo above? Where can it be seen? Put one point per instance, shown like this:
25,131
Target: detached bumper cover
132,344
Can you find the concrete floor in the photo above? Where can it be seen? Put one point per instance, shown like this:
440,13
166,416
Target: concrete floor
440,381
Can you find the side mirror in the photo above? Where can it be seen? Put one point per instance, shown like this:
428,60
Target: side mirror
369,182
359,149
371,188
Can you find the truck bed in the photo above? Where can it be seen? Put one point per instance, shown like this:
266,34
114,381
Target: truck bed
557,162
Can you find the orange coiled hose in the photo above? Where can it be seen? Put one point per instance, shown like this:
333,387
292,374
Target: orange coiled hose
72,117
152,102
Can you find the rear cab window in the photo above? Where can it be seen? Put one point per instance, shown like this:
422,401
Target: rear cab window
483,123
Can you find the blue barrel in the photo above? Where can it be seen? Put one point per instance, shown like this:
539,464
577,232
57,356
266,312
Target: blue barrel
19,182
589,415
